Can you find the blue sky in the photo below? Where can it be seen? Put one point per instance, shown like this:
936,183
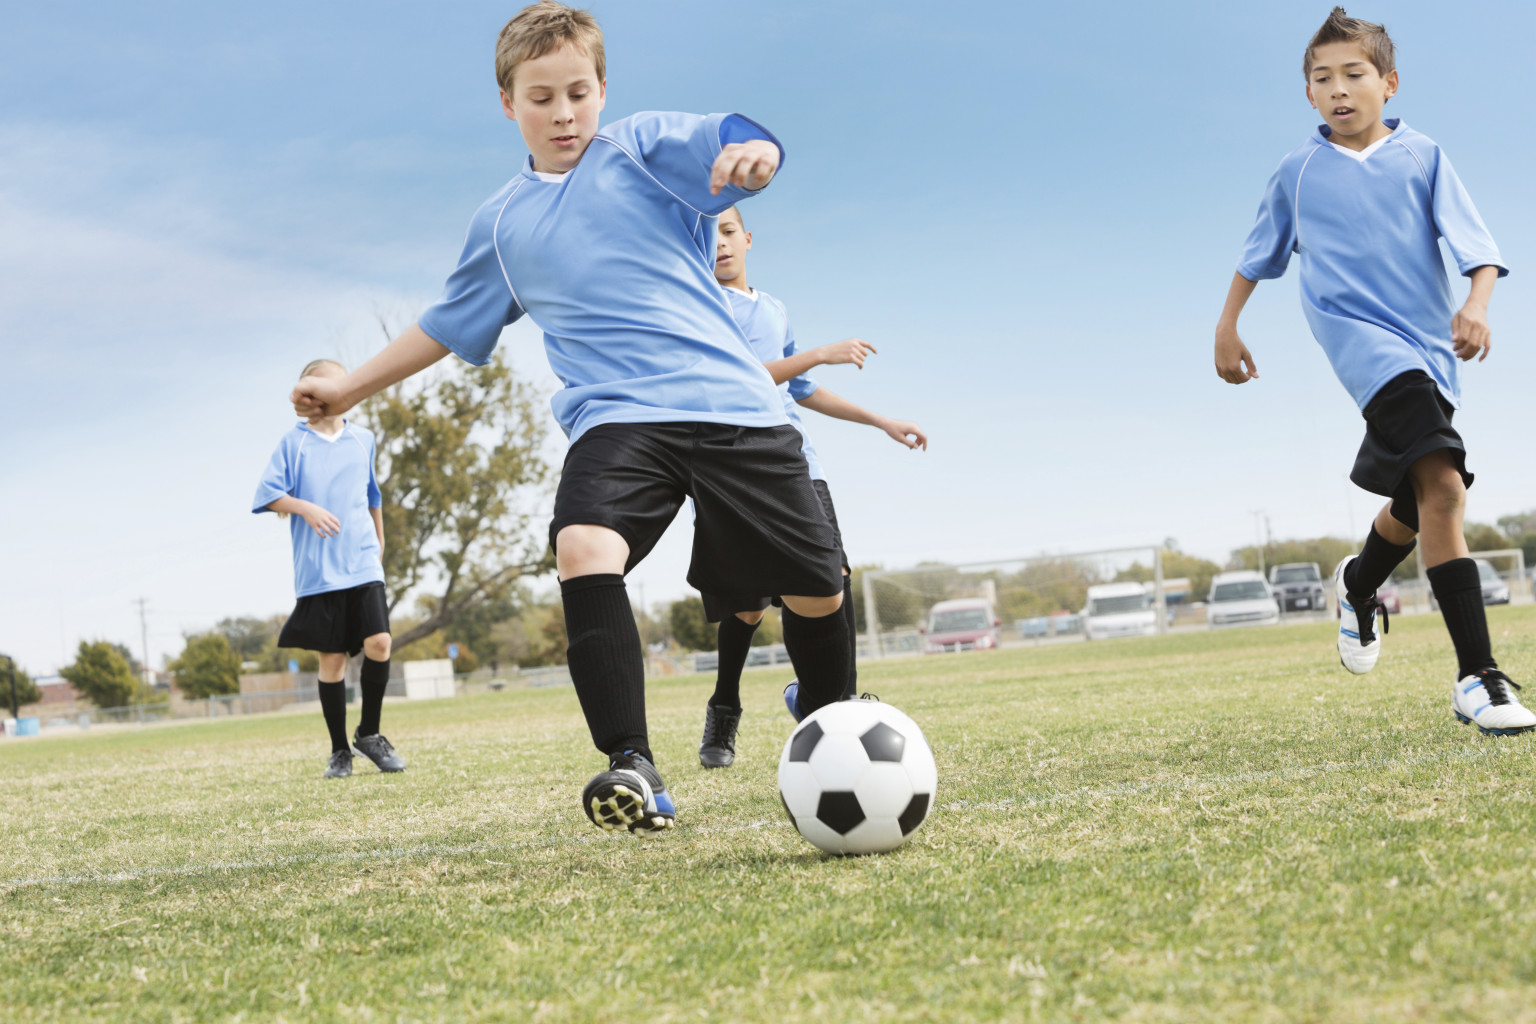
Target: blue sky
1033,212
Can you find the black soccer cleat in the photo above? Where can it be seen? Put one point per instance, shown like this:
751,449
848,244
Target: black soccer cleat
340,766
378,750
629,795
718,747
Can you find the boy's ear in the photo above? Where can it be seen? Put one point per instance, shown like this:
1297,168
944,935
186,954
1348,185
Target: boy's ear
1391,80
506,106
1309,97
602,94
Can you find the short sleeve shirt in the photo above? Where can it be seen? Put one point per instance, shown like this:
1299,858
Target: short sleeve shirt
1367,227
336,474
614,262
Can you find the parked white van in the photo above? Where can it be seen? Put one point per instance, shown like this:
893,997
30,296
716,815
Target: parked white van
1241,598
1118,609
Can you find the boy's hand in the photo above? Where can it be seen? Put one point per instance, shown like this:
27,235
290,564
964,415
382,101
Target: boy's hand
909,434
850,350
1470,334
317,397
749,165
322,522
1234,363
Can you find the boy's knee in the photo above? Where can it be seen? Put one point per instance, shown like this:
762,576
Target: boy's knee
376,647
332,666
584,550
814,607
750,618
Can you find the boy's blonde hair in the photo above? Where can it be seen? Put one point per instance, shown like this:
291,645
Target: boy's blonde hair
315,364
1341,28
543,28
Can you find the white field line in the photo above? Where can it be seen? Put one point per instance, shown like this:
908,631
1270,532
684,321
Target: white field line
433,850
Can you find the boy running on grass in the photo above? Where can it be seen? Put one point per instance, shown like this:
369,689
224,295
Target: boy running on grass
1365,202
765,322
606,239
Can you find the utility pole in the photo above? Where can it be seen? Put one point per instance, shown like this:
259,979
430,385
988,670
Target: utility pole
143,604
1260,525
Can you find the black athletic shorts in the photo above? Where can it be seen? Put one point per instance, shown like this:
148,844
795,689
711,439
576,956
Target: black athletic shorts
717,608
759,527
1406,420
337,620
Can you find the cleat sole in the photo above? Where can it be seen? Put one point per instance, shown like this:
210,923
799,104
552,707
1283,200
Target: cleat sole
614,806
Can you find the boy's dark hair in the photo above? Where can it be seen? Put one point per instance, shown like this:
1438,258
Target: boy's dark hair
1341,28
543,28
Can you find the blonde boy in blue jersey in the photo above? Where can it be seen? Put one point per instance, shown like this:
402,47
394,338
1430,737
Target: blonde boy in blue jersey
605,239
1366,203
765,322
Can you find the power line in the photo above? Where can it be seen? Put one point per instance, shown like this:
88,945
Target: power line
143,604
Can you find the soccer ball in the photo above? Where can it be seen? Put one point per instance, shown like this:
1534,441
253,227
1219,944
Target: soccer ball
857,777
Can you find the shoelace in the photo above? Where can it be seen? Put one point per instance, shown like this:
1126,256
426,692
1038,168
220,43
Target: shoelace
719,728
1364,613
1493,683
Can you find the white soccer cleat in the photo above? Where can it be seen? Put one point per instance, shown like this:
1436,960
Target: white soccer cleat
1485,699
1359,646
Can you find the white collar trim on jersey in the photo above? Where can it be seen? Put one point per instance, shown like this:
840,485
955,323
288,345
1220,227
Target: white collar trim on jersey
329,437
1361,155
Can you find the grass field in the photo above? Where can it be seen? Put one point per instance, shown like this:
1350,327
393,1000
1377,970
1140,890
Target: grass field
1208,827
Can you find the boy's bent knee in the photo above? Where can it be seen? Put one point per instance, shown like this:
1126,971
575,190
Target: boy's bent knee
333,666
750,618
586,550
376,647
814,607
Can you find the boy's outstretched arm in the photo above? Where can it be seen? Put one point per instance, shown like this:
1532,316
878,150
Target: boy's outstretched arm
410,353
850,350
1234,363
825,402
322,522
1470,333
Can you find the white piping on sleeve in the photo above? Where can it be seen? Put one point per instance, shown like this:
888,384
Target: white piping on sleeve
1416,160
496,244
1315,151
644,170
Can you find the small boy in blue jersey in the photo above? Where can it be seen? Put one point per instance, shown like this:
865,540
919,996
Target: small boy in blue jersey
1366,202
605,239
765,322
322,476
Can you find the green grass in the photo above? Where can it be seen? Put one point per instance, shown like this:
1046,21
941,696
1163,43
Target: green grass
1194,828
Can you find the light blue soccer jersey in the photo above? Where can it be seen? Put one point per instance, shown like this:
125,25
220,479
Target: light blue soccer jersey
338,476
765,322
1373,284
614,261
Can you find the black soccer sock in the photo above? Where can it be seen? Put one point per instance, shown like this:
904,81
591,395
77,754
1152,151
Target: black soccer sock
333,704
1459,589
1365,575
818,648
375,679
852,690
735,642
606,662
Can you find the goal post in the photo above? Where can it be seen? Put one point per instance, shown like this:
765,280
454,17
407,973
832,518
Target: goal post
1034,599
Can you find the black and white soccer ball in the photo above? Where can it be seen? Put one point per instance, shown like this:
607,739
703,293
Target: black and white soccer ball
857,777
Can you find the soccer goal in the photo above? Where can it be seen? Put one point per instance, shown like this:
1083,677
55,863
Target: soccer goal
936,607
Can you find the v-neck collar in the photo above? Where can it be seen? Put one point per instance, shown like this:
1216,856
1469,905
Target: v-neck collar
1360,156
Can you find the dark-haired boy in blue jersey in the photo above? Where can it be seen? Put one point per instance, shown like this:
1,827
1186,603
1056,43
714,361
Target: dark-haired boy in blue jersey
1366,202
765,322
606,240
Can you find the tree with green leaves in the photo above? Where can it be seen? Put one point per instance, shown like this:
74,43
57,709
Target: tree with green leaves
690,626
102,675
26,690
207,667
461,464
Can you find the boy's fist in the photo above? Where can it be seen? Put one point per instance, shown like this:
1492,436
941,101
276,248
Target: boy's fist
749,165
1470,334
316,397
1234,363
